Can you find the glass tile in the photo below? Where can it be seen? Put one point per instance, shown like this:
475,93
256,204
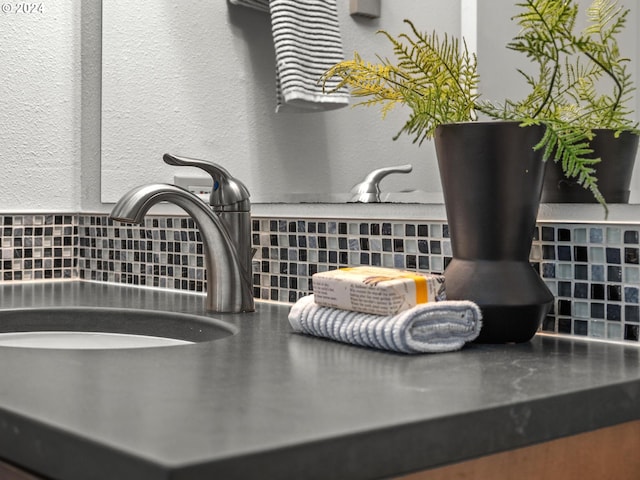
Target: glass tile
631,255
549,270
613,255
597,291
581,290
631,236
581,309
375,244
596,235
549,324
614,331
564,307
580,254
581,272
548,252
580,327
614,274
631,332
564,271
564,289
436,264
597,310
580,235
564,253
632,274
597,273
597,329
614,293
564,326
614,312
548,234
614,235
596,254
631,314
631,294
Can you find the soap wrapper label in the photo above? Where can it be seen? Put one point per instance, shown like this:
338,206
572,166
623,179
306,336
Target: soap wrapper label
377,290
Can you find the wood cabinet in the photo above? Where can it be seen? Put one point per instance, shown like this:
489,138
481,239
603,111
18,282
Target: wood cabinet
10,472
608,453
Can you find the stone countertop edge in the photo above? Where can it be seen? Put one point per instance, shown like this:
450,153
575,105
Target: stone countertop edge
271,403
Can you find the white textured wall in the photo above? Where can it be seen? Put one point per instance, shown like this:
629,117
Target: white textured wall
40,97
50,112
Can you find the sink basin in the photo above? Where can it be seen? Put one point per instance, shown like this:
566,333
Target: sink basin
105,328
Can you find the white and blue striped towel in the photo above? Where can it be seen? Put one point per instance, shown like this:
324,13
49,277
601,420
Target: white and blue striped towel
426,328
307,41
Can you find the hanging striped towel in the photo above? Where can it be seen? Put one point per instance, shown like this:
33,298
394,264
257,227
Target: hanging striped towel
426,328
307,41
262,5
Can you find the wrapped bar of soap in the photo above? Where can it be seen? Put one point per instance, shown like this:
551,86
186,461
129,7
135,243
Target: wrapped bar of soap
377,290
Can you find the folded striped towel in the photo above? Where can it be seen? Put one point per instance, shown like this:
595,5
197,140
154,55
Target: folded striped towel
426,328
307,41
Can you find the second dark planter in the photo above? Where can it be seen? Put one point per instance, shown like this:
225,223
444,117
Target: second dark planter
492,180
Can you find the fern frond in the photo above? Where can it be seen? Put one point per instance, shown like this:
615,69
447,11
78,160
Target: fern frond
565,143
436,77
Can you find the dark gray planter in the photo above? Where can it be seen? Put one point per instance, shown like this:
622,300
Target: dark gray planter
492,180
614,171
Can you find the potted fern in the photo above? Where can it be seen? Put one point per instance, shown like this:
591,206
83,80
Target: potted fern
491,155
591,89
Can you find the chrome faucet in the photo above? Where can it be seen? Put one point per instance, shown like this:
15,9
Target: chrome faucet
368,190
225,228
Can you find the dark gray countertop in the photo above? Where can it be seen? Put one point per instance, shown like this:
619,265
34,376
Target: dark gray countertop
269,403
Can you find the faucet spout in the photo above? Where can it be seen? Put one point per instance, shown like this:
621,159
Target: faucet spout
229,283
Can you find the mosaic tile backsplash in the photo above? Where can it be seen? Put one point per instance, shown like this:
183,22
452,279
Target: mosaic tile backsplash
592,269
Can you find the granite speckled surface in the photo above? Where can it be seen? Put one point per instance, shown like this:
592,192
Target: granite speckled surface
269,403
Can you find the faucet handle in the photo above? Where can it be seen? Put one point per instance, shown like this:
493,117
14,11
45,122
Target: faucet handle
368,191
228,193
